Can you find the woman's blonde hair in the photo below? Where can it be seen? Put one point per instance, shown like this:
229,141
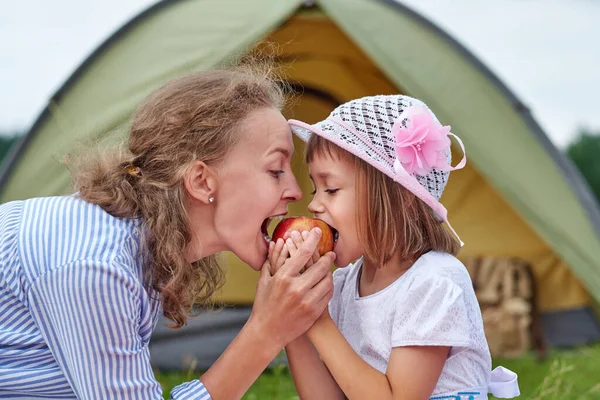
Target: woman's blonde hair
391,219
191,118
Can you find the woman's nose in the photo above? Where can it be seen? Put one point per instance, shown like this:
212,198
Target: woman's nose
293,193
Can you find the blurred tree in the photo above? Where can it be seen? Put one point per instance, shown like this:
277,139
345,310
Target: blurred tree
6,141
584,151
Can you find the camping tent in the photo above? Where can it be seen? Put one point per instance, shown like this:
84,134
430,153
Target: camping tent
518,196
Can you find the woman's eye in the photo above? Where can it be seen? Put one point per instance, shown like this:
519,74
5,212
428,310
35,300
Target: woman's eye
276,173
331,191
314,192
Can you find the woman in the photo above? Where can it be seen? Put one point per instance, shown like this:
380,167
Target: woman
83,278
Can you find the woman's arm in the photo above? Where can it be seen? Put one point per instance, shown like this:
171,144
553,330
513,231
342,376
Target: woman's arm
411,375
241,363
311,376
89,315
285,306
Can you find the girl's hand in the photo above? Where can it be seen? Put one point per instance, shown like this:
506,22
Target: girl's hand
292,244
283,248
278,253
288,303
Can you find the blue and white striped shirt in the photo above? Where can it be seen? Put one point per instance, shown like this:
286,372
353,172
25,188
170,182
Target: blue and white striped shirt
75,319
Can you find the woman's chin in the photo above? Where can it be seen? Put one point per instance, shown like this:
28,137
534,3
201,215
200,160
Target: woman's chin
256,265
256,259
253,256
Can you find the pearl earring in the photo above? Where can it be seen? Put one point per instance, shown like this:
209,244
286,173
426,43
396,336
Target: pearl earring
211,199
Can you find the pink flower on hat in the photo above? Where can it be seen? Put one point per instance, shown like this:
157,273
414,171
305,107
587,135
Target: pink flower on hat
422,143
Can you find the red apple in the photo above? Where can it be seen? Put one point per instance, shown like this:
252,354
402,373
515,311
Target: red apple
301,224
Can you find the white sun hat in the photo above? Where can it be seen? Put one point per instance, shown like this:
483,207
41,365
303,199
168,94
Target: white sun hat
398,135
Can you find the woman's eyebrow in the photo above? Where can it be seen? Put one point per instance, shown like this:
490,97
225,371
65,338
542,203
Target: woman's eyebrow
281,150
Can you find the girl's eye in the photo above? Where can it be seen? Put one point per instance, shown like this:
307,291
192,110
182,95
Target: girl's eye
329,191
276,173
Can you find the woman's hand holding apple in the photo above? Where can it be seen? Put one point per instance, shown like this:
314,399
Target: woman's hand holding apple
288,302
282,249
289,235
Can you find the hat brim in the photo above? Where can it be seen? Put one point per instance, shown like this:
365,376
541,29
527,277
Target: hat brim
304,130
332,132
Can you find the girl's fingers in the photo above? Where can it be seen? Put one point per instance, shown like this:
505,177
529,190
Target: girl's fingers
265,271
291,246
270,251
302,254
283,253
315,256
270,257
275,258
297,239
277,246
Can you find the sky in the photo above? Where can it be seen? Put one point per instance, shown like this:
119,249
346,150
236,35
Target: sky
546,51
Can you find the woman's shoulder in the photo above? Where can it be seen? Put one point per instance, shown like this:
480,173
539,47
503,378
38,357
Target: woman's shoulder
59,230
69,209
69,214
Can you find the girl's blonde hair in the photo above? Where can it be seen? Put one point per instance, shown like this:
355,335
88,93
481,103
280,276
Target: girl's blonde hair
191,118
391,220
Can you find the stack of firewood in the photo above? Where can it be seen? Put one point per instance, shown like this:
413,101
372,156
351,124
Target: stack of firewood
505,289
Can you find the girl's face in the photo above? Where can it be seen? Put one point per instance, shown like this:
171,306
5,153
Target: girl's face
255,183
334,202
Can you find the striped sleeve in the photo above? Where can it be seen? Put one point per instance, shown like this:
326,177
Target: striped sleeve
89,313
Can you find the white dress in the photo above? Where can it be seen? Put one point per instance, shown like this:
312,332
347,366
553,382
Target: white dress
431,304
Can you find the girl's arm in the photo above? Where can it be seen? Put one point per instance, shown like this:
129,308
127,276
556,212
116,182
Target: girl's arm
311,376
411,375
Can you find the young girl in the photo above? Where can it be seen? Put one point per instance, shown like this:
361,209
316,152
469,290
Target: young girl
404,322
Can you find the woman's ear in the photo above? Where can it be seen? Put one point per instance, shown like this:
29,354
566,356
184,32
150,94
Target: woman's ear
200,182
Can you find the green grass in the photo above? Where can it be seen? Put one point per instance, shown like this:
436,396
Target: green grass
564,375
274,384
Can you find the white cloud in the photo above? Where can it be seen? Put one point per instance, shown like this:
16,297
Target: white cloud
43,42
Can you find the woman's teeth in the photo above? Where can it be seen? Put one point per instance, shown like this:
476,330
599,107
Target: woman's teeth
278,218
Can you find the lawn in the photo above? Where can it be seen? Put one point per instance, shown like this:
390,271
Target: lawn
564,375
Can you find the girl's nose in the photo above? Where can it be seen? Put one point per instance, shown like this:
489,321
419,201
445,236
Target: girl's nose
315,207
